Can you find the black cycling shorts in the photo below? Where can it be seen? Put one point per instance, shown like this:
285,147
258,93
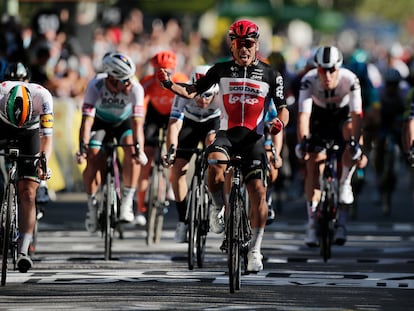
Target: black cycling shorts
28,143
192,133
250,146
103,131
154,121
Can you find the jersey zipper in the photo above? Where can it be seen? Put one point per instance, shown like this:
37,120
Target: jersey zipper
243,102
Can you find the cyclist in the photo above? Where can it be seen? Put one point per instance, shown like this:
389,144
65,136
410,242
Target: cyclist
191,121
330,107
246,87
158,102
26,117
19,72
113,103
407,133
392,94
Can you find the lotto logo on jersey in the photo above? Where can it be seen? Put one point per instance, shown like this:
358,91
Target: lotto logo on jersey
46,121
243,99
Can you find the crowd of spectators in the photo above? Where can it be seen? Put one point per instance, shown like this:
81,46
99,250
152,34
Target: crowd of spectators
64,63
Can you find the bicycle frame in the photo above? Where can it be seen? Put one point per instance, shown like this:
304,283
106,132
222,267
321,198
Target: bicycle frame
197,211
110,198
237,226
329,200
9,209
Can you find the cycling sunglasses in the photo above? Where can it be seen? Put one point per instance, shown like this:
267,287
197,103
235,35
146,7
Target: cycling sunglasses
325,70
244,43
206,95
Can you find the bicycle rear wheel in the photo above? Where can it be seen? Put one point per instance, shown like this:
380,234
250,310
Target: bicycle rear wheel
8,233
156,205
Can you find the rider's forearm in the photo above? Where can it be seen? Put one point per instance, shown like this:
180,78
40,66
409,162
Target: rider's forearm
356,125
46,146
138,132
303,125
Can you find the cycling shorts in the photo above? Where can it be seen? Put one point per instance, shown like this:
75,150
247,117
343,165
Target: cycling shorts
103,131
192,133
28,143
250,146
327,124
153,122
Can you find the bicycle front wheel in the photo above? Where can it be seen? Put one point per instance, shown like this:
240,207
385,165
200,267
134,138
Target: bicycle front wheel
233,240
7,230
202,228
192,222
110,201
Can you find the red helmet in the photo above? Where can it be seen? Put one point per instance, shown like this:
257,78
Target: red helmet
164,59
243,29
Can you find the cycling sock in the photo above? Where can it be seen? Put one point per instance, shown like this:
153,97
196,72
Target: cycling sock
218,199
181,209
257,237
25,240
346,175
311,209
127,195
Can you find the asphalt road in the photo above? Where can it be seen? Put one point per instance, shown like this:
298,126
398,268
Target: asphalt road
373,271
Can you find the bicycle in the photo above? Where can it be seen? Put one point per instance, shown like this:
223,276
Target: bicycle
9,232
327,207
109,196
157,194
198,202
238,232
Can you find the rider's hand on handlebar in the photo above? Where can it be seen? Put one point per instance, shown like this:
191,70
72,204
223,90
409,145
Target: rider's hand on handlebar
169,158
410,157
356,150
301,149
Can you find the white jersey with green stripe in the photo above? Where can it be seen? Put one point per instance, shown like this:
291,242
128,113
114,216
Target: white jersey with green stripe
113,107
42,106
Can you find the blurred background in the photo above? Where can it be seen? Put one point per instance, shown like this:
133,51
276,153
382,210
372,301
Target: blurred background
62,43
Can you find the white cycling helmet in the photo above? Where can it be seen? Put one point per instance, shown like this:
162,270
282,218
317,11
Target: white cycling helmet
200,71
328,57
118,65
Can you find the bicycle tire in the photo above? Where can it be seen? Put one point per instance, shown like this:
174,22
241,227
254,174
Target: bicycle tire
192,222
109,199
7,212
155,216
233,239
162,203
202,216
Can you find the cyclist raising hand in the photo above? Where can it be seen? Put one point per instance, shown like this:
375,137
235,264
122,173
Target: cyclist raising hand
246,88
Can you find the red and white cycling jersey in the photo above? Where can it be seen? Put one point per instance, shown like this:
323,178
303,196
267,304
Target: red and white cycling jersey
245,93
346,93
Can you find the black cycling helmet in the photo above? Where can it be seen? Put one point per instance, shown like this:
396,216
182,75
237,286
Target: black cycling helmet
16,72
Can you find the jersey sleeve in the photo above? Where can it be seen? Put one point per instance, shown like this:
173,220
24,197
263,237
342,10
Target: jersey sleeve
46,118
279,92
91,95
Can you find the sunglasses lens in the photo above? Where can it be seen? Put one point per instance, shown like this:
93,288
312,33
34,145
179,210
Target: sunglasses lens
207,95
324,70
244,43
